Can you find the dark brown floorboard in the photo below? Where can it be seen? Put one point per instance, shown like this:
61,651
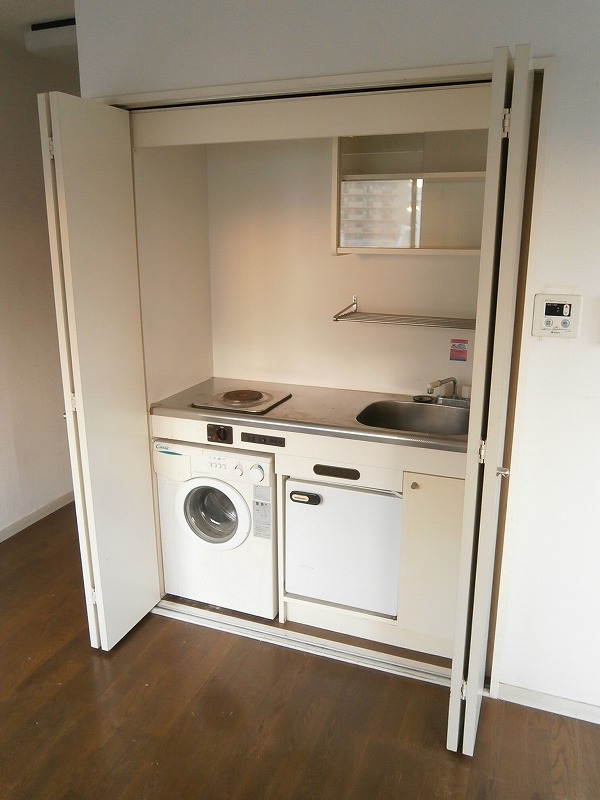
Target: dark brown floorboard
180,712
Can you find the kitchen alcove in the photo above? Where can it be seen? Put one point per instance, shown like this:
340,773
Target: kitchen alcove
250,241
95,233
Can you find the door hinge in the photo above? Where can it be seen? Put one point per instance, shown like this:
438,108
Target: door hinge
51,147
506,123
73,403
463,690
482,451
95,599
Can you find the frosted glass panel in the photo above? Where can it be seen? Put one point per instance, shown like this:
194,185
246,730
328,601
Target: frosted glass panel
377,213
441,212
451,212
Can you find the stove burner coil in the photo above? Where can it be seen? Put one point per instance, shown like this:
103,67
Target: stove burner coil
250,401
242,397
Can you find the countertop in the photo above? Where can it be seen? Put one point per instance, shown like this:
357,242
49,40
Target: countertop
311,409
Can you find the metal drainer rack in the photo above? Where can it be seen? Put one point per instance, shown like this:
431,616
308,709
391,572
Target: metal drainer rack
352,314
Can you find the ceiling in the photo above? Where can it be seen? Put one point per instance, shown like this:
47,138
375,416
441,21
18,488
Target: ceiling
16,16
59,44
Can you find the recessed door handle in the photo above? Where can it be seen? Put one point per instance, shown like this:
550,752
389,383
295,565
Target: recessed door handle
306,498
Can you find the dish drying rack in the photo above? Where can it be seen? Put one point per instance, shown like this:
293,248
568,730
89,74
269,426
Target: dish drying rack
352,314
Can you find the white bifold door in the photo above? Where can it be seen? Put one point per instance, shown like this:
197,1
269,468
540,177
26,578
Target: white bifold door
90,197
508,143
89,193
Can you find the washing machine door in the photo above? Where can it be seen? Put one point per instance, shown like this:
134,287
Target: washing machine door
214,511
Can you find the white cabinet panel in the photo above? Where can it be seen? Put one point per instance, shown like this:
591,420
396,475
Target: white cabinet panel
433,507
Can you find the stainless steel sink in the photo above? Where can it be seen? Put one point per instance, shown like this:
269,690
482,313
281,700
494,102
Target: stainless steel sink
435,419
452,401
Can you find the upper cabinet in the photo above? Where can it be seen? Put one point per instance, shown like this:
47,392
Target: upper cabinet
419,192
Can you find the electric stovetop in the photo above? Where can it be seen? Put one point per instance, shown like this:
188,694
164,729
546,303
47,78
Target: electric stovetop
227,394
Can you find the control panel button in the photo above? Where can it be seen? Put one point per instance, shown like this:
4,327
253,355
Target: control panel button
238,470
256,473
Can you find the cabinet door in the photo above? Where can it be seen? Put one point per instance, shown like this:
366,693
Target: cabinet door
89,193
429,555
507,162
343,548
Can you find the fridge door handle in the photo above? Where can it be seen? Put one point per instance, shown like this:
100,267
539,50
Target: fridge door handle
306,498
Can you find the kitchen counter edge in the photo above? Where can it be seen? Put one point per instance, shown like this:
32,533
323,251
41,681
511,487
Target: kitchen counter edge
315,410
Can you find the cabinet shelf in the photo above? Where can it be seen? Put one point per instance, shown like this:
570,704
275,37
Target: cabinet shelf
409,193
351,314
449,175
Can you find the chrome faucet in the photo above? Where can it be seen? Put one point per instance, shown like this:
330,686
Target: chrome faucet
435,384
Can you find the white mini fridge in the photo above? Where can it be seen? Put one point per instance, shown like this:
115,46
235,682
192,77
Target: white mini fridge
342,546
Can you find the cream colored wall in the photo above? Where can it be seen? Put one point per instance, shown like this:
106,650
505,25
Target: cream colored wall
34,461
276,285
172,221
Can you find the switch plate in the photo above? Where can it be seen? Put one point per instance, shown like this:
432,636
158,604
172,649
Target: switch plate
557,315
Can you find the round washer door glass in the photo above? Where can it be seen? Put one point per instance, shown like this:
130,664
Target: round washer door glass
216,512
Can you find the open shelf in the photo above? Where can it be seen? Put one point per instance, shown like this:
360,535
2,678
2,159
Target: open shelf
352,314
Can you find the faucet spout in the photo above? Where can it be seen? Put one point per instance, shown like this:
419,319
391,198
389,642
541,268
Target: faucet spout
436,384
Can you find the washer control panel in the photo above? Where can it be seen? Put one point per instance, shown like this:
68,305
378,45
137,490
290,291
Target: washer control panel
178,461
232,466
557,315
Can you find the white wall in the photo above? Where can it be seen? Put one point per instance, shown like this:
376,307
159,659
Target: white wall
550,596
33,452
172,222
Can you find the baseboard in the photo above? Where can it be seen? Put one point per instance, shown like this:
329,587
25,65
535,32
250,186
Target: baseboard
548,702
37,515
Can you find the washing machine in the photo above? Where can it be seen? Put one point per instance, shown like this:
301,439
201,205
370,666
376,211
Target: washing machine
217,521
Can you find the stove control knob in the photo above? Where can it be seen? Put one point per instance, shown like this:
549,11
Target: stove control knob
222,434
256,473
238,469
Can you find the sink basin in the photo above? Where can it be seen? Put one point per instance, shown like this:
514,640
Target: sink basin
435,419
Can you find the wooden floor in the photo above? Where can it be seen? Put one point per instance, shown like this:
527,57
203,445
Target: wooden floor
178,712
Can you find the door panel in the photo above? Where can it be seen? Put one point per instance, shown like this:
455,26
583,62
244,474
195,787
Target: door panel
479,397
343,545
89,190
505,183
500,379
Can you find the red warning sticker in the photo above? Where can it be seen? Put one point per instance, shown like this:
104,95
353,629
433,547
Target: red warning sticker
459,349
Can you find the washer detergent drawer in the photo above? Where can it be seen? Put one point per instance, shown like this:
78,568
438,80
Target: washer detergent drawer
342,546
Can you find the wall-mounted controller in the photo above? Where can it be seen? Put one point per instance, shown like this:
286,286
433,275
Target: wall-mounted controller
557,315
